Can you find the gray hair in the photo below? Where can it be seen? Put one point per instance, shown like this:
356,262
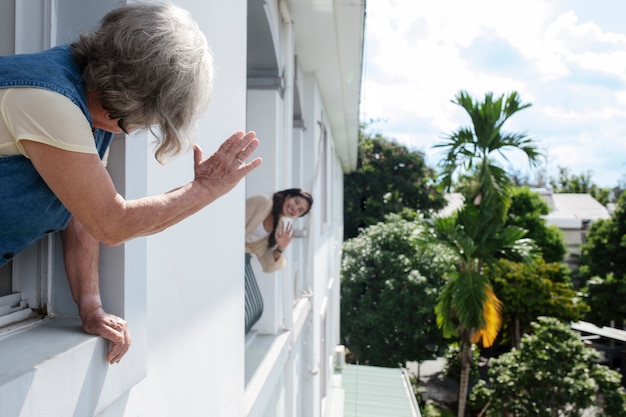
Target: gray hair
152,67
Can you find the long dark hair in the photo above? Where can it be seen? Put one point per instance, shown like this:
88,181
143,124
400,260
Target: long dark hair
279,198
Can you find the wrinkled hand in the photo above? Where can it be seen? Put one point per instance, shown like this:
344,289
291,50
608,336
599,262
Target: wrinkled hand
283,234
110,327
227,166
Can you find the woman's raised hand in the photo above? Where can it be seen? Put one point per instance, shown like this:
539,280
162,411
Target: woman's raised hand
228,165
283,234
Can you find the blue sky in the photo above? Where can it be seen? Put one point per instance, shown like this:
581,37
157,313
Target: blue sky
566,58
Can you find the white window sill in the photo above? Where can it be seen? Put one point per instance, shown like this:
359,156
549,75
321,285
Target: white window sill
265,359
264,364
54,368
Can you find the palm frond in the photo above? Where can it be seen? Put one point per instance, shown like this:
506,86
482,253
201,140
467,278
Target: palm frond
492,316
485,135
453,234
459,149
468,298
445,311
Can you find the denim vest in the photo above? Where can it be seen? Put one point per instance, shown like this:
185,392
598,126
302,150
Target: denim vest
28,208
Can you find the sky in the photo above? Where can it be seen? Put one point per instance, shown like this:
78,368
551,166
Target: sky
566,58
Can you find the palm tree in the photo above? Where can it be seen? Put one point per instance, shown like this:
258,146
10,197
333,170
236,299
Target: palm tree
467,306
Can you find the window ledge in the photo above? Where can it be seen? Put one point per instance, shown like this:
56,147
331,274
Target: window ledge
264,363
53,368
265,359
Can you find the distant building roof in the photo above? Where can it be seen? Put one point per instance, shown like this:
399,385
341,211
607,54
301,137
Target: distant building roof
605,331
567,210
372,391
573,211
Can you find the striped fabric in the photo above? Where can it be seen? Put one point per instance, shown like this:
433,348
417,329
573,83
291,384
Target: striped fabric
254,300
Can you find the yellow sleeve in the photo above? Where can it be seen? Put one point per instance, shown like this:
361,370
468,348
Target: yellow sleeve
46,117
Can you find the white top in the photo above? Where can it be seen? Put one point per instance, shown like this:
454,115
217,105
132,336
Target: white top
257,234
260,232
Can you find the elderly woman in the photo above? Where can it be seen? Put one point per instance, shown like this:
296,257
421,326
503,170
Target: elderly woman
148,66
269,227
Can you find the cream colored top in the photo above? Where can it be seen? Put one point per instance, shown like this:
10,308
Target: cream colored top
257,209
42,116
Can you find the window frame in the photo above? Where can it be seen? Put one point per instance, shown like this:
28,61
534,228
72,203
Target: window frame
30,272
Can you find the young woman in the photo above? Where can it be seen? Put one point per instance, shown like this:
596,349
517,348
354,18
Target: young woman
269,226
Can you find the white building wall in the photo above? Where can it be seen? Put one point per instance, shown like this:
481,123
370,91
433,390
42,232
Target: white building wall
324,246
191,294
182,290
264,116
195,288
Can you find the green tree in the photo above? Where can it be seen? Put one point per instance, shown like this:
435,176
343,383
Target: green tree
605,297
552,374
619,188
389,177
605,244
579,184
389,287
530,291
467,306
603,265
526,211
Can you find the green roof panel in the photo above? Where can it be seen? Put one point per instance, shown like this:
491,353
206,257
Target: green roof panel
372,391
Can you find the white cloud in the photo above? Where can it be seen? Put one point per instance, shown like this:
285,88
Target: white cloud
556,56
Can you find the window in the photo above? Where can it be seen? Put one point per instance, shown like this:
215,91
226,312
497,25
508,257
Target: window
21,283
324,178
323,349
31,27
13,308
6,282
37,276
24,286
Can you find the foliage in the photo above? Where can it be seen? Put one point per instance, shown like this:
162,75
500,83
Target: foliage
619,188
606,299
530,291
478,243
473,146
551,374
526,211
388,179
430,410
428,407
579,184
452,368
389,287
605,244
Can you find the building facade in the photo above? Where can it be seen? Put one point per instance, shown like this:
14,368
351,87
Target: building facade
573,214
288,69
